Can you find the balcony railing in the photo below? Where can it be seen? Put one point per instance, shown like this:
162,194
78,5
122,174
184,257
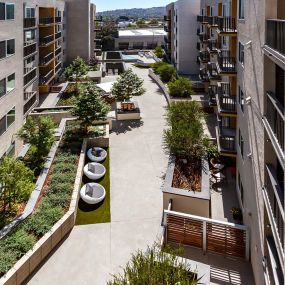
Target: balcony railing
275,118
58,19
58,51
30,76
28,95
46,40
226,139
32,101
212,92
204,56
30,49
213,46
46,59
227,104
275,35
213,71
58,35
46,21
167,39
203,37
46,78
58,67
202,19
29,22
166,18
198,46
227,63
213,21
166,28
203,75
226,24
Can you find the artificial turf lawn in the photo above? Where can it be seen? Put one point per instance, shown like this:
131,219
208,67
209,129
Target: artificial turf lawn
100,213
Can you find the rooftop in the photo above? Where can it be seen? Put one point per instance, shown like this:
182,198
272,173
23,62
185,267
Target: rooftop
141,32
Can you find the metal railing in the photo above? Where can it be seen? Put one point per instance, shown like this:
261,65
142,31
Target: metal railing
275,35
275,118
58,51
226,62
30,49
46,21
226,142
203,75
212,92
28,95
46,78
227,103
213,46
57,35
167,18
46,40
58,19
29,22
46,59
166,28
213,20
202,19
226,24
213,71
210,235
204,37
30,103
58,67
204,56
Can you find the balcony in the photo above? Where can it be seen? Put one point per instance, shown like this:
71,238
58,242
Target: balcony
58,20
275,35
58,35
29,23
46,59
226,103
203,57
213,46
198,46
274,123
226,63
203,75
166,28
45,41
203,37
58,67
213,21
212,92
30,75
30,49
213,73
202,19
226,26
44,79
98,47
46,21
167,39
58,51
32,100
226,140
167,18
28,95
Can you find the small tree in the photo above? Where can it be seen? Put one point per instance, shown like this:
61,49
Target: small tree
167,72
77,69
39,133
181,87
16,181
90,106
127,86
158,51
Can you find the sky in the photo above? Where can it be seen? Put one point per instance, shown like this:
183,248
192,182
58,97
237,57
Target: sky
104,5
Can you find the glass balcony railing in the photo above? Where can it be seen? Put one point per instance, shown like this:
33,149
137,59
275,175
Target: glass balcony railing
29,23
275,35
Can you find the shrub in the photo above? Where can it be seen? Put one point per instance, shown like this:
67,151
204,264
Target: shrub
65,187
59,199
158,51
19,242
58,178
7,260
166,72
181,87
158,64
62,167
43,219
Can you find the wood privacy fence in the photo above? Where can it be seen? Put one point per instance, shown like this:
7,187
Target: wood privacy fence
210,235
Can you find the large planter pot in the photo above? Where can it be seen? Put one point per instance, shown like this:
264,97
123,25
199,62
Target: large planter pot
97,154
94,170
92,193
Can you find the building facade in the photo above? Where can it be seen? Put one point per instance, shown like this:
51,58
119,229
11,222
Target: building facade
35,44
180,42
242,62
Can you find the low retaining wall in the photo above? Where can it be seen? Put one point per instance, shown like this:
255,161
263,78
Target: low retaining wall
183,200
32,259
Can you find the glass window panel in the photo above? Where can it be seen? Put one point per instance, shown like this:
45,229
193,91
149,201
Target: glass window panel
2,11
11,150
2,87
2,49
10,11
33,13
10,47
28,13
10,118
2,125
11,82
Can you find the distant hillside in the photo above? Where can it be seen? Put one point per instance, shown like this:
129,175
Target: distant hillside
155,12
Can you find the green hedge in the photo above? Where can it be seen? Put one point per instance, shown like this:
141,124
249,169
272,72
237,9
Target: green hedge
53,205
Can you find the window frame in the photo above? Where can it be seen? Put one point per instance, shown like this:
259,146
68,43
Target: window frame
241,143
5,117
241,98
5,11
241,54
6,83
241,10
6,48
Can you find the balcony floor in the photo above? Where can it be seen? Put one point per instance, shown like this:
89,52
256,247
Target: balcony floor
223,271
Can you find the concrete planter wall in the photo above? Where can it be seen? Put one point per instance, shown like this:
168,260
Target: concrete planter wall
186,201
29,262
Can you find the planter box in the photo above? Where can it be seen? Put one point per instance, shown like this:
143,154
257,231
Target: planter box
124,115
186,201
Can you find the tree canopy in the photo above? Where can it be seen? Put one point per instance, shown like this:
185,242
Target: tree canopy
127,85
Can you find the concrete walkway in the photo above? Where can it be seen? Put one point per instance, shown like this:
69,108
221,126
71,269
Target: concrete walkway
92,252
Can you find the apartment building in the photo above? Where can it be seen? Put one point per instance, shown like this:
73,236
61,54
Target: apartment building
180,41
242,59
35,44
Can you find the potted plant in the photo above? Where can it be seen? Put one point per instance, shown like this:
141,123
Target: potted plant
237,214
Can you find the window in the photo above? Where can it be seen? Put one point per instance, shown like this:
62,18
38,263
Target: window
30,12
11,150
240,186
7,121
241,142
241,98
30,60
7,11
2,49
241,9
10,82
2,87
241,53
10,47
30,35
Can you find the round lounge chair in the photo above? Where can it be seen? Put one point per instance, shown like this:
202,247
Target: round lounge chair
92,193
94,170
97,154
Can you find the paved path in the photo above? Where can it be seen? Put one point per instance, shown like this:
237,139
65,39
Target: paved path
92,252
